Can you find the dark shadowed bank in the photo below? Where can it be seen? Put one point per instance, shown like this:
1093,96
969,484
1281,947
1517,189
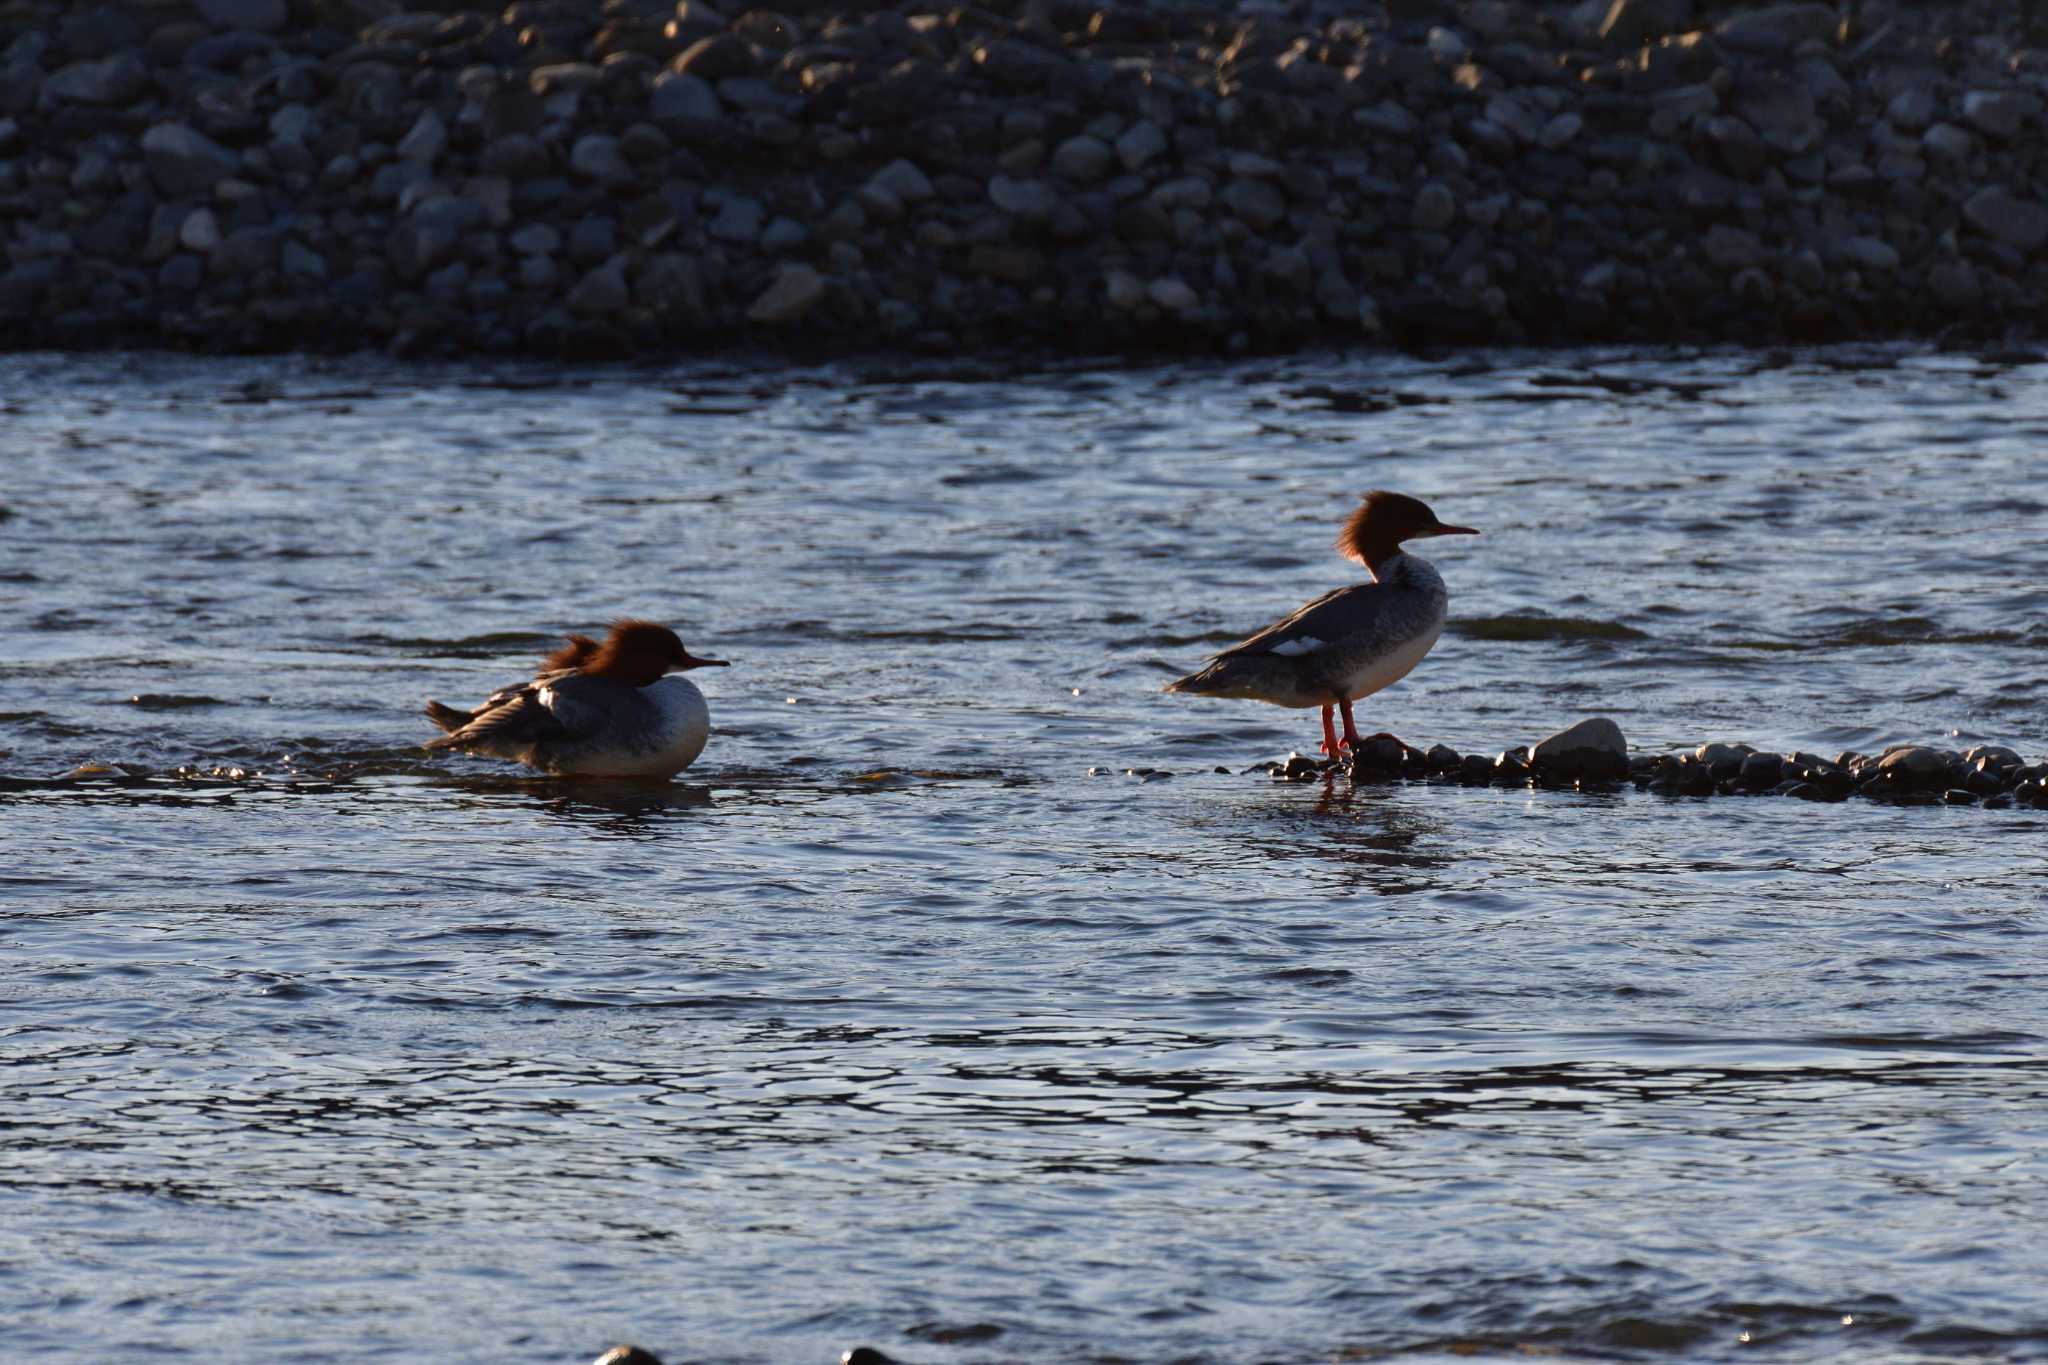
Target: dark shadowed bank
598,177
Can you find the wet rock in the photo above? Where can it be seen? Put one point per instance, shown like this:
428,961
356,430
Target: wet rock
1913,767
1298,768
1140,145
1592,748
1721,760
627,1354
1760,770
1378,757
1441,758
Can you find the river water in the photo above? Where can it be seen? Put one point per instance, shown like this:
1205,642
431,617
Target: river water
969,999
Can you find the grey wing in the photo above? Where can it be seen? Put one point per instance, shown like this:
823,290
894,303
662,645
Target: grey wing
513,719
1337,615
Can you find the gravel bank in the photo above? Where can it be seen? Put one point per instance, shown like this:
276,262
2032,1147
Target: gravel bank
626,177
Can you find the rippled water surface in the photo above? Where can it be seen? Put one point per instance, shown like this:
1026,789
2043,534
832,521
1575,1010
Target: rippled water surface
970,1000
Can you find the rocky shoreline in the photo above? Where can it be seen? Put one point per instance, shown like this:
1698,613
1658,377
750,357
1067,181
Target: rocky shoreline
1593,755
617,177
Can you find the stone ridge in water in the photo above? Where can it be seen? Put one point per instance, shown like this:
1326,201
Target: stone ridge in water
1593,755
600,180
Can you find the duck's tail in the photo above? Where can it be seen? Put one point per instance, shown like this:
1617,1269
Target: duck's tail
1254,677
448,718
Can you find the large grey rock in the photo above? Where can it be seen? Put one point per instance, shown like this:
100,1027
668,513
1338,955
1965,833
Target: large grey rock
2003,216
118,79
1915,765
1592,748
796,290
183,161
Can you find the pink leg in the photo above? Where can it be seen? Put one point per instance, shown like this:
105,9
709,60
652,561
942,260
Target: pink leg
1351,740
1329,734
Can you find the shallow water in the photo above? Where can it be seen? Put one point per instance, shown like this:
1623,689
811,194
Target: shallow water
969,999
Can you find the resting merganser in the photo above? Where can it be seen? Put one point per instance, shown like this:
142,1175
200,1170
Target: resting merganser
1352,642
593,710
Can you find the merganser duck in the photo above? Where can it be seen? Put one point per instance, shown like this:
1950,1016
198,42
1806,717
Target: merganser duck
593,710
1352,642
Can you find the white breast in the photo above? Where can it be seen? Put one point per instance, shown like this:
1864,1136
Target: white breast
1388,668
670,744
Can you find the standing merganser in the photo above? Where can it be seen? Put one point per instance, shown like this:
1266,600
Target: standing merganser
1352,642
593,710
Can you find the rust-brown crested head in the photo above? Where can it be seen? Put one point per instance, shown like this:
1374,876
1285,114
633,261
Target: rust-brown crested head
639,652
574,654
1373,534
